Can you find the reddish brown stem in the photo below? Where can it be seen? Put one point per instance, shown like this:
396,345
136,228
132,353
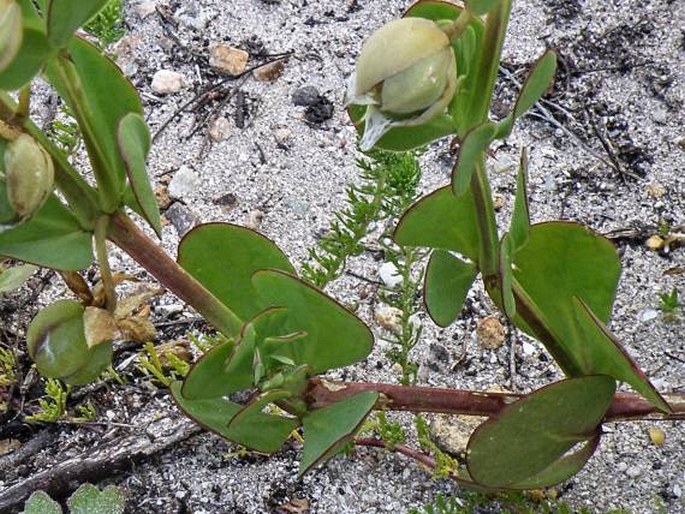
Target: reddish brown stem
455,401
127,236
418,456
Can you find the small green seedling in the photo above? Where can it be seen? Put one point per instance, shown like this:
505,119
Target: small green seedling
669,304
87,499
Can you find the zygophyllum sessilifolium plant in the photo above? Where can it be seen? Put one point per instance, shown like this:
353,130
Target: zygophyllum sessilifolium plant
418,79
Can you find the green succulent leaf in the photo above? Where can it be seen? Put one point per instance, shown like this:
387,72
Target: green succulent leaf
520,219
14,277
254,428
223,258
604,354
505,269
455,215
561,469
560,261
534,87
28,60
40,503
448,280
260,432
208,377
52,238
99,95
88,499
30,15
229,367
480,7
564,283
99,359
471,151
465,49
134,144
434,10
8,215
332,336
65,16
326,430
528,436
536,84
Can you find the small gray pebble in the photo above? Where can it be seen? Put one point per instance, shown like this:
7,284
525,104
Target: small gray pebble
181,217
634,471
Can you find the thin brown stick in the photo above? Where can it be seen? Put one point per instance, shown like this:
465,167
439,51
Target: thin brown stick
215,88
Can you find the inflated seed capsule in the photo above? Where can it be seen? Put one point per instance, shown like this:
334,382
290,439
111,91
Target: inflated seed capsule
405,74
29,175
56,339
56,342
10,32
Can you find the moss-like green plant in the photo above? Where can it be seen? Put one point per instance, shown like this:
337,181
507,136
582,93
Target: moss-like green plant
108,23
53,405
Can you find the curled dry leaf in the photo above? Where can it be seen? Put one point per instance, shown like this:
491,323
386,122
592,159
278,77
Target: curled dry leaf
99,326
99,290
78,286
390,318
295,506
131,304
179,349
130,320
136,328
654,243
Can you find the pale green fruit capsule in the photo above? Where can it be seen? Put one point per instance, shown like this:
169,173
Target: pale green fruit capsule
10,32
406,74
29,175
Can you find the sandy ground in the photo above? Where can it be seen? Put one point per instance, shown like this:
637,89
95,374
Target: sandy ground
618,98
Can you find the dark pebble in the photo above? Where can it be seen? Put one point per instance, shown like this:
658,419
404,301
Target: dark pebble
181,217
305,96
439,352
228,201
320,111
